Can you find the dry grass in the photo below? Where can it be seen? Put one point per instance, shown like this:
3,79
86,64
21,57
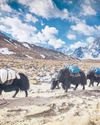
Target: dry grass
85,106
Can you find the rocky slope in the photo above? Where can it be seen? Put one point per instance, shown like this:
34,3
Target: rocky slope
12,47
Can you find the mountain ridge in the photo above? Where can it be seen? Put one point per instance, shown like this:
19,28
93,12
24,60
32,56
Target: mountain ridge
90,51
13,47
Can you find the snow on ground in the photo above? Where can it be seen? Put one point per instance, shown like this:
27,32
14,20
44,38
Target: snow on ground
29,56
43,56
5,51
26,45
7,40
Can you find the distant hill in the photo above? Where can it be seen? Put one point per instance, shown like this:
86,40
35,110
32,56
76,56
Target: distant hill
12,47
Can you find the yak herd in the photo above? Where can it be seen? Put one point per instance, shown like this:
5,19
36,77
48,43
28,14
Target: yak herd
66,76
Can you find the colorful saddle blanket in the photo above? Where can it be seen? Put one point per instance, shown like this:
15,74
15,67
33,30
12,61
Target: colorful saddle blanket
97,71
74,69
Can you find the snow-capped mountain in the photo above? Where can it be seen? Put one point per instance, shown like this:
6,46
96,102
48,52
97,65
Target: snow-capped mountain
94,48
9,46
89,51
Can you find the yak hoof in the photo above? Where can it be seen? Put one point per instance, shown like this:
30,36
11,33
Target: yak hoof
83,88
13,96
74,88
58,88
66,91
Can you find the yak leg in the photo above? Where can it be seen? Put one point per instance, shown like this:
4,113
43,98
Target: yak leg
67,85
17,90
91,83
63,86
58,86
83,87
76,87
97,83
0,92
26,93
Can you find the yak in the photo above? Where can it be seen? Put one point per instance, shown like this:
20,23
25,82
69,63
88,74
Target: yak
93,77
66,78
15,85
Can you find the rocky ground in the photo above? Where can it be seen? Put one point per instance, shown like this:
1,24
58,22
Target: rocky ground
47,107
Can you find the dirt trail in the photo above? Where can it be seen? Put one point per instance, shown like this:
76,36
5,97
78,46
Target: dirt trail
46,107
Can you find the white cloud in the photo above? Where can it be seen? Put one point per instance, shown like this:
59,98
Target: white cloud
56,43
4,6
24,1
77,44
97,27
48,36
17,28
27,33
29,18
70,2
47,33
74,19
3,1
45,8
71,36
90,39
83,28
88,10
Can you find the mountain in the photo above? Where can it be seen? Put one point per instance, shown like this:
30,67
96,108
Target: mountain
95,48
78,52
90,51
11,47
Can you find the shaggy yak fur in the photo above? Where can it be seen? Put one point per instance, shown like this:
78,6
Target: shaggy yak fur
17,84
67,79
93,78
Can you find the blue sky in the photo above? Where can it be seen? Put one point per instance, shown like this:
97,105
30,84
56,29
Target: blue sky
51,23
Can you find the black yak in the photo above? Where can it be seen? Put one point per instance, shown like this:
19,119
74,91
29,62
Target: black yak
16,85
93,76
66,78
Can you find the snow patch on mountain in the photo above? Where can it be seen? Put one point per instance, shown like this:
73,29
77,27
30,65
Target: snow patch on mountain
5,51
43,56
7,40
28,56
89,50
26,45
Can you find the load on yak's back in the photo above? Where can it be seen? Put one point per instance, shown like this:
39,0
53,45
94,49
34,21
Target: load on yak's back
8,75
10,80
74,70
96,70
